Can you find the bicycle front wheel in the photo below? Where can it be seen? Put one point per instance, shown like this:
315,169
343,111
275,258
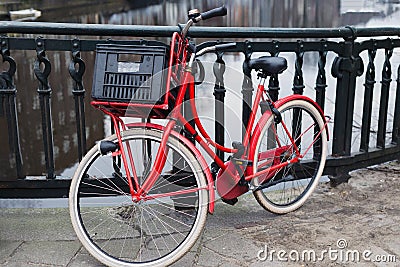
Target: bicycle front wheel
152,232
286,188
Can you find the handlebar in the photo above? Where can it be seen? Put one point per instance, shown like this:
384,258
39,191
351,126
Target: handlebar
218,48
222,47
195,16
216,12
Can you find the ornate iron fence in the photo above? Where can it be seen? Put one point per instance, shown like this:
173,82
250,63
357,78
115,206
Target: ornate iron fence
346,45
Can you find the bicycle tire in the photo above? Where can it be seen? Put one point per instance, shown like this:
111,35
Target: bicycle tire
119,232
287,188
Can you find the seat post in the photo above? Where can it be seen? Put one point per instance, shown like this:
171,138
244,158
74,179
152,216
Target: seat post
262,74
263,77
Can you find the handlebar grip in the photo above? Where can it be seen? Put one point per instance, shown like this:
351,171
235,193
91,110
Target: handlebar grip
216,12
222,47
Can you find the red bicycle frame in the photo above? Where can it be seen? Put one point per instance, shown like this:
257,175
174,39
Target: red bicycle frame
181,73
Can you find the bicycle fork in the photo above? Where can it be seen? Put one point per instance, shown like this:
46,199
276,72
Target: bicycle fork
118,150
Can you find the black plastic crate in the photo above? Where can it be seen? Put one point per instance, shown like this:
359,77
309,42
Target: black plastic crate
129,73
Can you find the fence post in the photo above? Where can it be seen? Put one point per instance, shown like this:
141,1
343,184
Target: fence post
44,91
247,88
273,85
76,70
320,84
396,116
368,99
298,81
384,101
8,93
345,68
219,94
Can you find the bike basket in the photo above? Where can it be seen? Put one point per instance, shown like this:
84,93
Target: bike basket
129,73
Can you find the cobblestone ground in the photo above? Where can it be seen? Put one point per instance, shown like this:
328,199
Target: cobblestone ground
354,224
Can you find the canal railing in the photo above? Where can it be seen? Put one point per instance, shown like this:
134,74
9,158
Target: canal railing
345,44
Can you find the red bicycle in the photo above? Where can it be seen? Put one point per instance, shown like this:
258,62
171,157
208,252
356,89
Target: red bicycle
140,197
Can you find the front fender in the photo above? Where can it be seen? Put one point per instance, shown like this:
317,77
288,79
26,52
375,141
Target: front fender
198,155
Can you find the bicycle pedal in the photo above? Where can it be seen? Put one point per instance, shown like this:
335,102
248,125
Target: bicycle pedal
243,182
242,162
232,201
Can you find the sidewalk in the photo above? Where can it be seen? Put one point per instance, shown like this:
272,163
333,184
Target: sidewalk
351,219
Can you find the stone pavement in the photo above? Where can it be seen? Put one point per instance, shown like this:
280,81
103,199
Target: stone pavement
244,234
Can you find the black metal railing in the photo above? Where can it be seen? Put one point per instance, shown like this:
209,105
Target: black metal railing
344,44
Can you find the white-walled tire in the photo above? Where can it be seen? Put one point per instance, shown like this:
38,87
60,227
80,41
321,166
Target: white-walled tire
289,187
119,232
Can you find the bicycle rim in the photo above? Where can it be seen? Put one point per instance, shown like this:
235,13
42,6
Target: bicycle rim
287,188
156,232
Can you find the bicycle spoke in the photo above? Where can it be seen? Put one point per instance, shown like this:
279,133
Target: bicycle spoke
152,238
164,224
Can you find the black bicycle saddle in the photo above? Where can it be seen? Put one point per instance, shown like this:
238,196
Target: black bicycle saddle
269,65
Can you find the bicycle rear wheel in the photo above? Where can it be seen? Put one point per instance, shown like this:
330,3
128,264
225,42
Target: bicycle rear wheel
286,188
154,232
